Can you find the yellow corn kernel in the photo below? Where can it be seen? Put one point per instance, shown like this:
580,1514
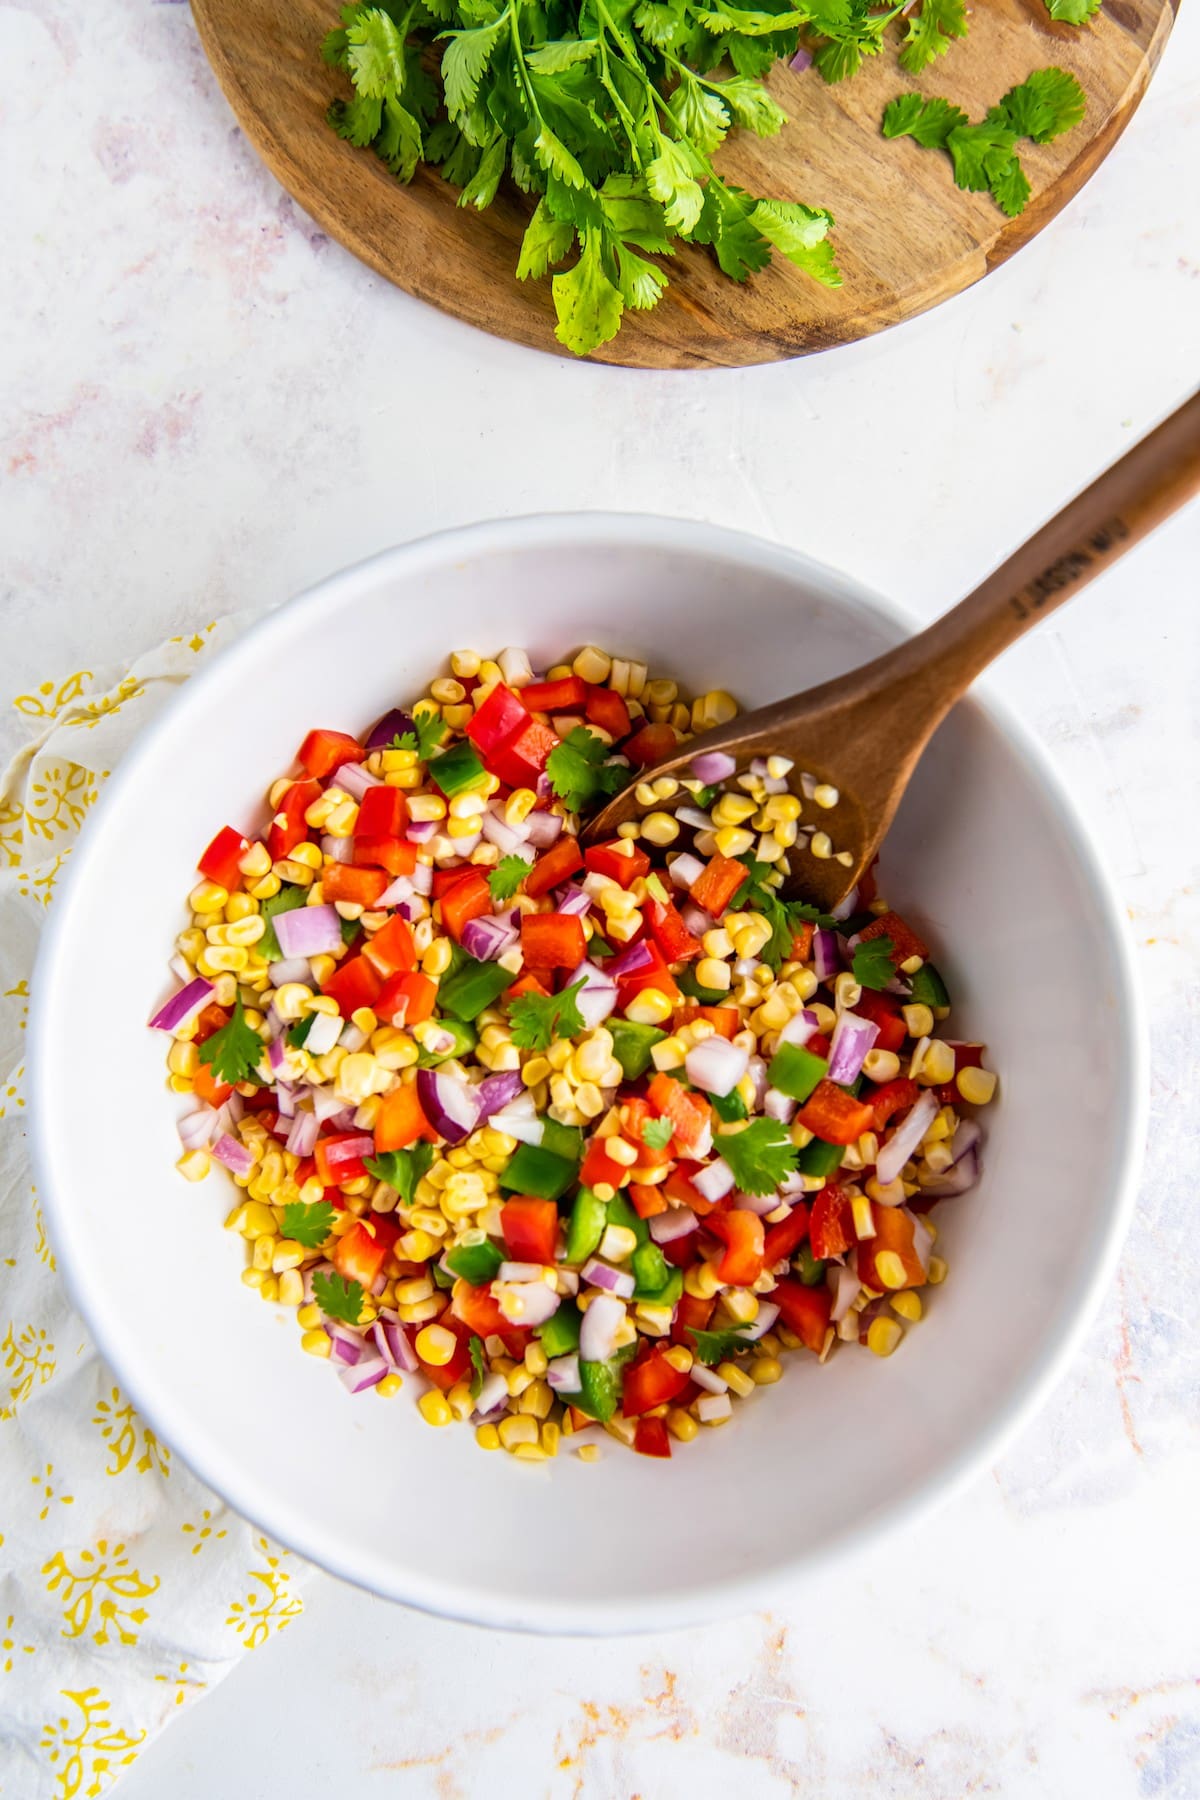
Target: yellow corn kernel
711,972
938,1271
465,663
537,1400
487,1437
918,1020
518,1428
733,840
741,1305
208,897
420,1313
518,806
254,861
194,1165
884,1335
737,1378
592,664
434,1408
435,1345
183,1059
881,1065
977,1086
890,1269
825,795
733,809
908,1305
681,1425
411,1292
702,1281
864,1219
267,886
535,1070
765,1371
316,1343
660,828
652,1007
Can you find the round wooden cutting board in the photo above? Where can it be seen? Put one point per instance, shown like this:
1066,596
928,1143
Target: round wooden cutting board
905,236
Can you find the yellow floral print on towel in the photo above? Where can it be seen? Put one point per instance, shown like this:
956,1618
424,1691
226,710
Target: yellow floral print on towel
126,1587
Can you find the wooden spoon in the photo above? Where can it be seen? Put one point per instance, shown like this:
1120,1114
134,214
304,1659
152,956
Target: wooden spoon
863,733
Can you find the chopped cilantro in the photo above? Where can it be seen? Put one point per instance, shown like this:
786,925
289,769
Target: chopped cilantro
783,916
657,1133
475,1346
401,1169
761,1156
297,1034
579,772
307,1224
714,1346
234,1052
430,730
537,1021
873,967
337,1297
504,880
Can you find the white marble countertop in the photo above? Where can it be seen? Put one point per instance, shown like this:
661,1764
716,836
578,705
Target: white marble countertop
206,405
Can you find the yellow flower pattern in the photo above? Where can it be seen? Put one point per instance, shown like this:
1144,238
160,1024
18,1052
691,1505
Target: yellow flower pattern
156,1587
84,1745
123,1430
98,1590
269,1606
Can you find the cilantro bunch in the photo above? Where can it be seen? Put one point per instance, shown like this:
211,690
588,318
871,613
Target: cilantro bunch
608,112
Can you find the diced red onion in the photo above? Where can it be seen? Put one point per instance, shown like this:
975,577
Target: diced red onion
714,1181
527,1302
302,1138
762,1204
799,1028
351,1037
598,996
704,1142
906,1138
233,1109
691,815
487,938
845,1284
345,1346
496,1092
696,919
368,1374
849,905
779,1106
746,966
716,1065
686,870
308,931
449,1103
492,1395
395,723
967,1135
959,1179
422,879
756,1068
801,61
563,1374
629,962
235,1156
276,1055
519,1271
354,780
712,766
351,1149
763,1320
196,1130
791,1186
574,901
465,848
603,1275
922,1239
675,1223
337,849
853,1037
285,1100
825,955
508,839
601,1323
707,1378
420,831
183,1006
323,1033
400,889
543,829
519,1120
400,1349
180,967
290,968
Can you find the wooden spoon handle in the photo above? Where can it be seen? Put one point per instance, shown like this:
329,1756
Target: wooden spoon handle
1092,530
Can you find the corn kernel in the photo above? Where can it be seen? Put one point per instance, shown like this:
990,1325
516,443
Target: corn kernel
434,1408
435,1345
881,1065
884,1335
734,841
487,1437
938,1270
918,1020
825,795
518,1428
194,1165
652,1007
977,1086
736,1378
316,1343
681,1425
713,973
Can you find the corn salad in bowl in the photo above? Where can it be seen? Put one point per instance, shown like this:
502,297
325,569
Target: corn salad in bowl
573,1142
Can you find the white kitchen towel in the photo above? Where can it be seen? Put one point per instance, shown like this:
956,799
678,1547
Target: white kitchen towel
126,1587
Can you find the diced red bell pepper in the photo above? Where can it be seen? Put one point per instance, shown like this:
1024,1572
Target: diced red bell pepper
621,860
362,887
968,1056
802,943
213,1093
395,854
400,1120
391,951
894,1232
354,983
466,900
211,1018
324,751
725,1020
448,1375
905,942
445,879
742,1234
717,883
553,867
220,861
651,1438
893,1097
288,827
691,1313
652,744
406,999
831,1225
524,757
835,1116
334,1163
566,695
650,1381
502,715
608,710
530,1228
678,1186
783,1240
646,1201
688,1112
526,984
683,1252
886,1015
599,1169
804,1310
655,974
388,1231
666,927
552,940
478,1309
358,1256
382,812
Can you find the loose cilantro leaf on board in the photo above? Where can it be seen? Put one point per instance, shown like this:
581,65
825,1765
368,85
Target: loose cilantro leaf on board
234,1052
1072,12
536,1020
715,1346
761,1155
579,773
337,1297
478,1363
930,122
1045,106
401,1169
504,880
930,31
873,966
308,1224
657,1133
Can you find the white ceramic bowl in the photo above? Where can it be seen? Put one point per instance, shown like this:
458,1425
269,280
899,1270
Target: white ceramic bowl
987,856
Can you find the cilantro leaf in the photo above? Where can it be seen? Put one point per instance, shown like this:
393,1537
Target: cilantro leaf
715,1346
930,31
579,773
1009,186
308,1224
979,152
401,1169
1072,12
761,1155
286,900
587,304
873,967
930,122
657,1133
478,1363
234,1052
547,241
337,1297
374,54
537,1021
802,233
504,880
782,915
297,1035
425,740
1045,106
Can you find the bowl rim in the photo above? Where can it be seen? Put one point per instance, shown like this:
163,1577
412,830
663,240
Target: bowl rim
442,1595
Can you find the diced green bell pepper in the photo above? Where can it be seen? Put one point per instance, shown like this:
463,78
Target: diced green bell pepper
477,1260
632,1044
560,1334
658,1284
819,1158
465,1039
534,1170
589,1216
457,769
562,1140
807,1267
351,928
472,987
928,988
599,1389
729,1107
704,996
796,1071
